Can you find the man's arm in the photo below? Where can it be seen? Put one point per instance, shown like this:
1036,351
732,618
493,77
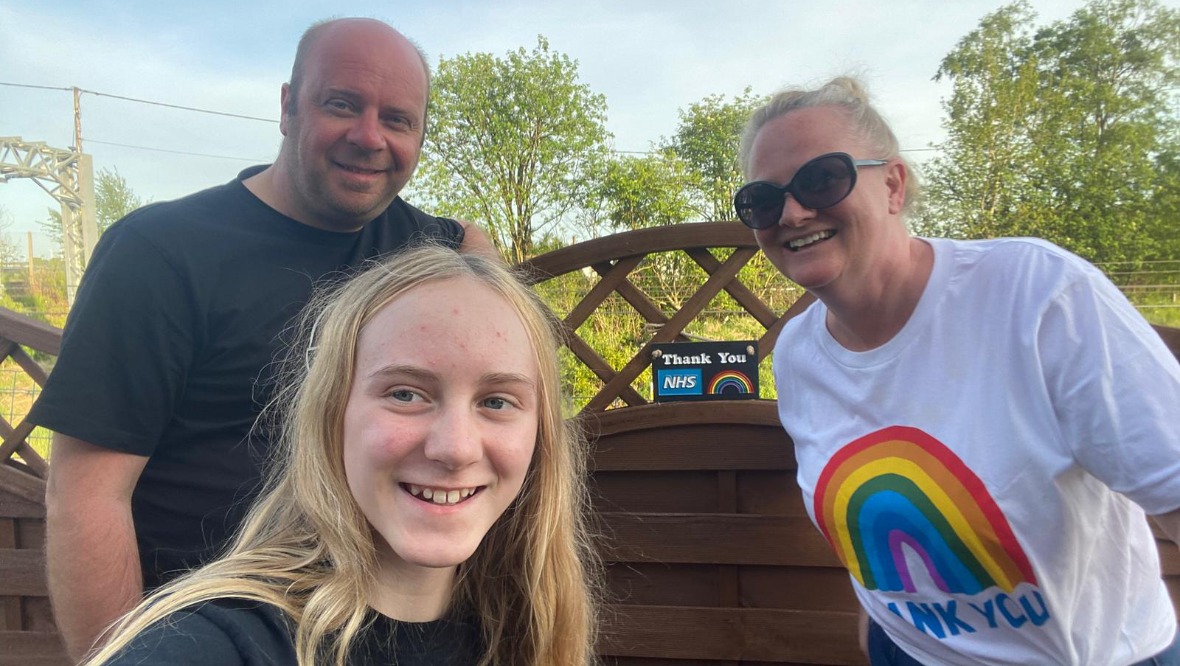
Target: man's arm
476,241
93,562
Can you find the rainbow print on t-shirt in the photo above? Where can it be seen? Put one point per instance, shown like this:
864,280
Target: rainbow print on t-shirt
901,487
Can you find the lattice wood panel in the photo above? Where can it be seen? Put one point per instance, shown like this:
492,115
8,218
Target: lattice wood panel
615,260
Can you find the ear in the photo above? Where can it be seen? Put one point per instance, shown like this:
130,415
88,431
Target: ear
285,102
895,180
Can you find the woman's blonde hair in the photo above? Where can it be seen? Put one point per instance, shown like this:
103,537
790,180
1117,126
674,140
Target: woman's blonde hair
305,546
848,94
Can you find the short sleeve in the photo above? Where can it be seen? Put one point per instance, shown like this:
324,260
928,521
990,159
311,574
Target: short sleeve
181,639
220,633
126,348
1115,388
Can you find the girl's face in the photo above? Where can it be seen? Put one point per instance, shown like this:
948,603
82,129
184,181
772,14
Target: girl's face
441,421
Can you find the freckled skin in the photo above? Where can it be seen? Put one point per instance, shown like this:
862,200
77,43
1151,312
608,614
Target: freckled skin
437,403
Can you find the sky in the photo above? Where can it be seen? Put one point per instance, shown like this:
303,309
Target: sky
649,58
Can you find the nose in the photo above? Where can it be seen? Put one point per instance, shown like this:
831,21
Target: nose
794,213
455,441
365,132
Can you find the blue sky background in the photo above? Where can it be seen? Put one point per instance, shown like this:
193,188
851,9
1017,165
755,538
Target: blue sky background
649,58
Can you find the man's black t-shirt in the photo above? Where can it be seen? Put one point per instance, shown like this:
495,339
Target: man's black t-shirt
168,351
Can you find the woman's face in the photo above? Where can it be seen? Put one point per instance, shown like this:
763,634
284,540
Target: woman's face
441,421
820,249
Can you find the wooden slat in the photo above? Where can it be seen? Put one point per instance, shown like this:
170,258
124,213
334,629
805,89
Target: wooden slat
13,437
32,648
770,493
12,506
662,415
22,572
694,448
21,484
713,539
655,492
10,613
798,588
740,293
38,614
30,366
637,299
30,332
611,279
640,241
30,533
590,358
736,634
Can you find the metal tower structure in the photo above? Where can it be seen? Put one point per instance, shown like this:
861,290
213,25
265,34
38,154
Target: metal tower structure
68,177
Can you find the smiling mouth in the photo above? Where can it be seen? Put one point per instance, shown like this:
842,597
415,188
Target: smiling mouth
800,243
443,496
360,170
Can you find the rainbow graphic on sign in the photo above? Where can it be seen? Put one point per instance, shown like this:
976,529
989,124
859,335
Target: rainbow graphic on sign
730,381
899,486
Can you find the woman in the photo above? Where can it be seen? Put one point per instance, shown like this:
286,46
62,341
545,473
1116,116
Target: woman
428,504
979,426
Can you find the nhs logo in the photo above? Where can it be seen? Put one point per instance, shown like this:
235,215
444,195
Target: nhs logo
686,381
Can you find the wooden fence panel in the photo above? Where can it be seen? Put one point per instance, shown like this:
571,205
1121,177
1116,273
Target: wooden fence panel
711,559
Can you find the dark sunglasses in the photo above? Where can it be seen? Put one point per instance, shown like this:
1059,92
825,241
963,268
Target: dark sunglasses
820,183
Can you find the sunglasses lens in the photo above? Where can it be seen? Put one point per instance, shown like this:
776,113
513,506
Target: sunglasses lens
823,182
759,205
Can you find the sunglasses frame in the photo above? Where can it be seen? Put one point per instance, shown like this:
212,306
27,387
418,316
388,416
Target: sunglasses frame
745,214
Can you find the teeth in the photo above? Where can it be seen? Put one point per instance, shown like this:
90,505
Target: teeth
808,240
440,496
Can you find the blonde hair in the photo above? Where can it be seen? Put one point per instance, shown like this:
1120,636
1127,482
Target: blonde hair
305,546
848,94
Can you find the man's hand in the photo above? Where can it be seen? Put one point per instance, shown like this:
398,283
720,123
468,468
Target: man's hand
476,241
93,562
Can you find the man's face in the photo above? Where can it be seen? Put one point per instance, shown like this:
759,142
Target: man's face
354,128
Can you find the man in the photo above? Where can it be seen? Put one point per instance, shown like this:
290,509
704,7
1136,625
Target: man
168,354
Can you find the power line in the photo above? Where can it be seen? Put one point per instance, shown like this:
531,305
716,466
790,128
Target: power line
26,85
179,152
145,101
265,120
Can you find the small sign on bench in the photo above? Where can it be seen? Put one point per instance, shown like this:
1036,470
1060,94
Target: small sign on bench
693,371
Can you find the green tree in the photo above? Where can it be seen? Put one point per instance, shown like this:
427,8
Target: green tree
707,142
510,143
114,199
9,248
1067,131
637,192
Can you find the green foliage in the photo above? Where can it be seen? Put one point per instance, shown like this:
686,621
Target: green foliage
114,199
707,141
638,192
1067,132
510,142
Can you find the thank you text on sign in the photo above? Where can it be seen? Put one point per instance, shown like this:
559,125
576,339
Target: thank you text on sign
704,371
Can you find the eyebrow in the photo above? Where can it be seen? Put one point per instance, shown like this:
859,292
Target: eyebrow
494,378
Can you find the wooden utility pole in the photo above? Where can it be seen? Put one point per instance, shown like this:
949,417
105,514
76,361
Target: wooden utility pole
77,119
32,273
